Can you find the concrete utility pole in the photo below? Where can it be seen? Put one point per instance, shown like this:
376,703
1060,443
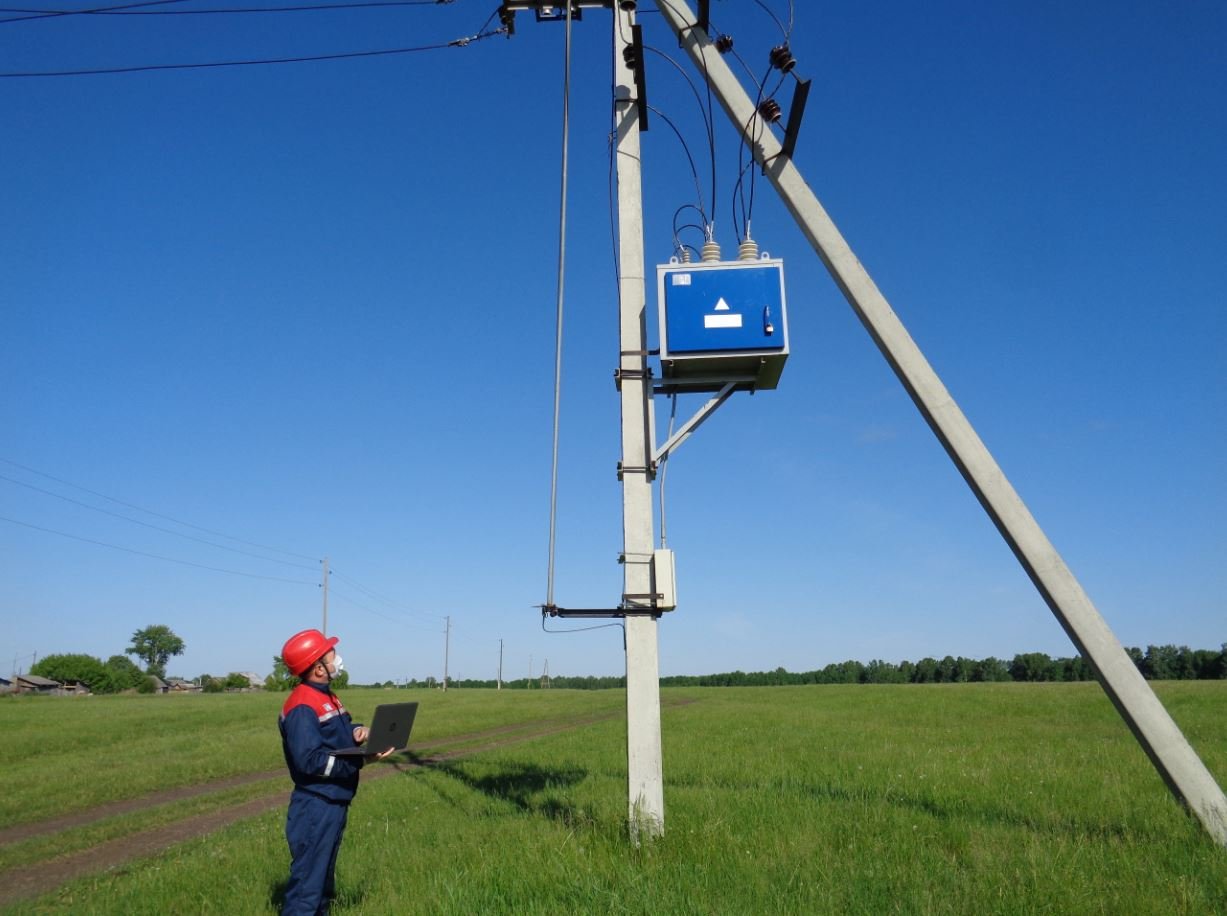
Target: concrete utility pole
645,778
325,624
447,646
1186,776
500,665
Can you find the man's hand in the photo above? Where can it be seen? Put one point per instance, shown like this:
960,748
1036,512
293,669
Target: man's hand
380,755
360,734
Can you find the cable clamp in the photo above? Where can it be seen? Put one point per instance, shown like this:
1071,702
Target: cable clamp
649,470
633,374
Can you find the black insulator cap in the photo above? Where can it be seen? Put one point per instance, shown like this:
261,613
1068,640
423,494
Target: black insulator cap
724,43
782,59
770,110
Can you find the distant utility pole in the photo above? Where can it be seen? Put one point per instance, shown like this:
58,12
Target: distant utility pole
545,674
530,671
325,629
447,645
500,665
22,658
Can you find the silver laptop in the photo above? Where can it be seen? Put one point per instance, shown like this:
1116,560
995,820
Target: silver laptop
389,730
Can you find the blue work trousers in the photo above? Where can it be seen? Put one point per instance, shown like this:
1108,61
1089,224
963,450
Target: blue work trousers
313,828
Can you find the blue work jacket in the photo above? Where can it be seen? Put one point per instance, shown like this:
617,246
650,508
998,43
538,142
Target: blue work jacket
313,723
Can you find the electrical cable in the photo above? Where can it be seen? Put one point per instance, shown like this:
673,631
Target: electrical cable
179,534
750,135
613,223
689,158
562,260
709,119
351,55
142,553
381,598
709,128
333,593
127,9
55,14
168,518
599,626
664,470
702,229
786,32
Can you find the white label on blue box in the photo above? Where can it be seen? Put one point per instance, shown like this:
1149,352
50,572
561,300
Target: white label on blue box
681,279
722,321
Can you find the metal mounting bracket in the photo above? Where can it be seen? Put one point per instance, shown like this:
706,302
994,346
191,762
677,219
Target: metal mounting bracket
694,422
554,610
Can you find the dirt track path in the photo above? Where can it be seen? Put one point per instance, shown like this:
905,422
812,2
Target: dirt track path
27,881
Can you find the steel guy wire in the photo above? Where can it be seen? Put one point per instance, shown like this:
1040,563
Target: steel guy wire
562,261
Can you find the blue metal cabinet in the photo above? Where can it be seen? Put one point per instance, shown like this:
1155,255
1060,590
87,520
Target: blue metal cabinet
722,321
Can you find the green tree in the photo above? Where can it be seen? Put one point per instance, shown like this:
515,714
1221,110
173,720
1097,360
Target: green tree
210,684
154,645
84,669
1161,663
883,672
1032,666
280,679
925,671
1135,654
990,669
123,674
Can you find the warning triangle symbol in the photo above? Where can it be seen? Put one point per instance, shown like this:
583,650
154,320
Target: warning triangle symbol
722,306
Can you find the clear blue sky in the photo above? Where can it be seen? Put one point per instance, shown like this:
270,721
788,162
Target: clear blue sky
311,307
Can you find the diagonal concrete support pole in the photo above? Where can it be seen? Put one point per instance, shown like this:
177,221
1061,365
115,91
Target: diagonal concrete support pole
1161,739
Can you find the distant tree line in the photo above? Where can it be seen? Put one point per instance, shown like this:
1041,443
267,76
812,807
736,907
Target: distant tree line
1157,663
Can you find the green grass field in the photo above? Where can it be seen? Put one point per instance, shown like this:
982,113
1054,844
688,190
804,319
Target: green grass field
985,798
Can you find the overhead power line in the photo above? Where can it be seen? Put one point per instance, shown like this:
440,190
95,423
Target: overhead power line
380,614
131,9
55,14
350,55
126,10
371,593
177,521
142,553
178,534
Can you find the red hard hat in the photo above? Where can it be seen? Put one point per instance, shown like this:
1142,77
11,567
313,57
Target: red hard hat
302,650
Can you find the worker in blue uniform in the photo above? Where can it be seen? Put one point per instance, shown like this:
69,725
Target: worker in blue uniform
313,724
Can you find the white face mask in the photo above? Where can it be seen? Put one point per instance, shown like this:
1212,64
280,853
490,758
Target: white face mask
338,664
